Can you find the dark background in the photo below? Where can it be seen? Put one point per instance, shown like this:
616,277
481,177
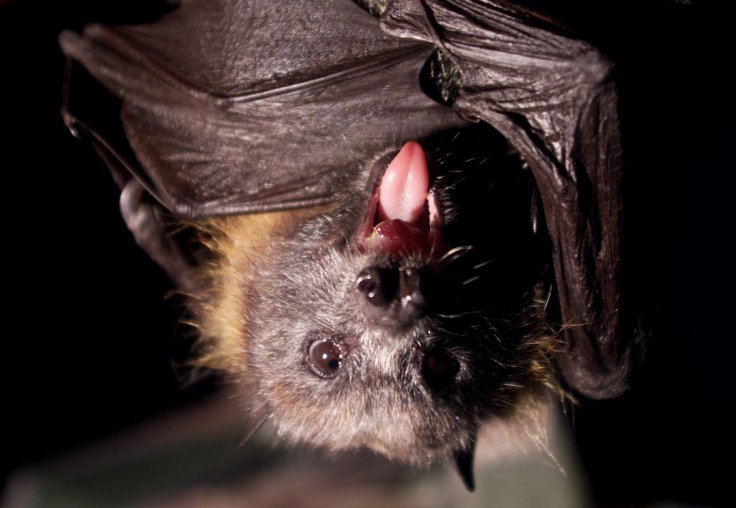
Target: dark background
92,334
90,341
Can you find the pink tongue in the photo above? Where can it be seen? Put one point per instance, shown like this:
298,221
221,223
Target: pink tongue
405,185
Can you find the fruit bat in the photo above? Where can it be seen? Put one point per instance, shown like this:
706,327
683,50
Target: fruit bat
406,214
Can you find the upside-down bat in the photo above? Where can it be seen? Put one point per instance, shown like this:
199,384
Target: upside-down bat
402,219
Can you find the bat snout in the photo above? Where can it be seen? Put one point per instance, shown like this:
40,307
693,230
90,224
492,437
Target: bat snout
391,297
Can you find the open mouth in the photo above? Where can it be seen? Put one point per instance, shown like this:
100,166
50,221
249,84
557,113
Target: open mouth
403,218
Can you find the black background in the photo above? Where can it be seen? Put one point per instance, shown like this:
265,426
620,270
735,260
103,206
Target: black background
92,336
90,342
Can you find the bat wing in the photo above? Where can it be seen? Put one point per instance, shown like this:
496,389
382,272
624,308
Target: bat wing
232,107
224,107
552,96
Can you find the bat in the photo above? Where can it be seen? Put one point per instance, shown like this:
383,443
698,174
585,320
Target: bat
397,220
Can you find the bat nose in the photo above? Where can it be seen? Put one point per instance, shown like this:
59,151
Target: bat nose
392,297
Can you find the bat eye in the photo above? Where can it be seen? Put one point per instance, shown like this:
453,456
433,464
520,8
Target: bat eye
439,368
325,357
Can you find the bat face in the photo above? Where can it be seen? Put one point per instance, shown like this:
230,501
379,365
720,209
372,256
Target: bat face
401,334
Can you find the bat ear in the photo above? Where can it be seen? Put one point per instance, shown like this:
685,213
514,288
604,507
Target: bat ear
464,463
145,221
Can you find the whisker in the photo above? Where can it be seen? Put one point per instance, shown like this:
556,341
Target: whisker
470,280
468,313
462,249
549,295
455,184
483,264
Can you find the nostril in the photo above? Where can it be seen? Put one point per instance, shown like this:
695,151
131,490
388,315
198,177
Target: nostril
377,285
393,296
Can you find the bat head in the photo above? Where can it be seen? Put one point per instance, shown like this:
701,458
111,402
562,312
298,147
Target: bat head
403,318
